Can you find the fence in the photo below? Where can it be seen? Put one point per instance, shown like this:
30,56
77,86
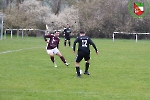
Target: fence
22,32
136,34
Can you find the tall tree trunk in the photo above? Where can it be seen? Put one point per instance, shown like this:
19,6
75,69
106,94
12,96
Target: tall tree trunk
58,7
7,3
17,4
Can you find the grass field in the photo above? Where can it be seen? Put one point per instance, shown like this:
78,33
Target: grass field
121,71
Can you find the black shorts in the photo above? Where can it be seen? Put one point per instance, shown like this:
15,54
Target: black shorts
67,38
80,57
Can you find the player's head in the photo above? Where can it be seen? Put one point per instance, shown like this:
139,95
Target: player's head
82,33
56,33
67,26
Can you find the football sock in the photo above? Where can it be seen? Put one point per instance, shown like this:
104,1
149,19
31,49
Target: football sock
63,59
52,58
65,43
78,70
86,67
69,43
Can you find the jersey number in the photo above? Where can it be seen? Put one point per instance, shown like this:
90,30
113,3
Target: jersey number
53,40
84,43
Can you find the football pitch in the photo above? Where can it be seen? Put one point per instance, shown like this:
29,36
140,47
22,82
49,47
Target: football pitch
121,71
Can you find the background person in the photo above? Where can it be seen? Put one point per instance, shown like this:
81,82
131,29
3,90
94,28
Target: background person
67,33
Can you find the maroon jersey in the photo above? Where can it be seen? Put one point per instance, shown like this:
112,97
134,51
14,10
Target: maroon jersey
53,41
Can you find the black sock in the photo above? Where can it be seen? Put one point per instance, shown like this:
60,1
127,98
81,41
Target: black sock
78,70
65,43
63,59
52,58
69,43
86,67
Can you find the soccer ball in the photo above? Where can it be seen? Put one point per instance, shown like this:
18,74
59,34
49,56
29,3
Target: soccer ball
80,71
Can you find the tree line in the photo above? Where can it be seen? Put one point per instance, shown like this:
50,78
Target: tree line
99,18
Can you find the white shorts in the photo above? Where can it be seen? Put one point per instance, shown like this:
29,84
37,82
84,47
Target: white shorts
55,50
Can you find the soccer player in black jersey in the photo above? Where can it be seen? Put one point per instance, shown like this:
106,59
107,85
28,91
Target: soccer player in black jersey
67,34
52,47
83,52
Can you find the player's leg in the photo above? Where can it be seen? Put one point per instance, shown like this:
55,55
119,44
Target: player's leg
65,40
77,61
57,52
50,52
69,41
87,64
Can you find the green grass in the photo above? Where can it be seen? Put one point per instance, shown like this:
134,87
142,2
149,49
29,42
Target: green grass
121,71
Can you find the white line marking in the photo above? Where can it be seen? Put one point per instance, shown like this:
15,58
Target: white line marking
9,51
41,91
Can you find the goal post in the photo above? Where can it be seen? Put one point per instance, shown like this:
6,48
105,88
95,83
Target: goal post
136,34
1,25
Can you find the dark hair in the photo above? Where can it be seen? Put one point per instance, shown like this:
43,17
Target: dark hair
82,32
56,31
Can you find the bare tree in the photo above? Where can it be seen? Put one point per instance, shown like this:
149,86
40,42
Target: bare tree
31,14
104,17
68,15
58,7
55,5
97,17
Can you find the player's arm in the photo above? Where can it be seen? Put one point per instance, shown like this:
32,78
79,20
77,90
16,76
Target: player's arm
58,44
64,32
94,46
71,33
47,36
74,44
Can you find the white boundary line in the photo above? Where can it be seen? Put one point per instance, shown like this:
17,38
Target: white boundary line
41,91
9,51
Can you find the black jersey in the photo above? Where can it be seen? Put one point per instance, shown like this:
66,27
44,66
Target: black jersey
67,32
83,44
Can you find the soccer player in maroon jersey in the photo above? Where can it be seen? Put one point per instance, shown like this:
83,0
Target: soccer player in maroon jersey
52,47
